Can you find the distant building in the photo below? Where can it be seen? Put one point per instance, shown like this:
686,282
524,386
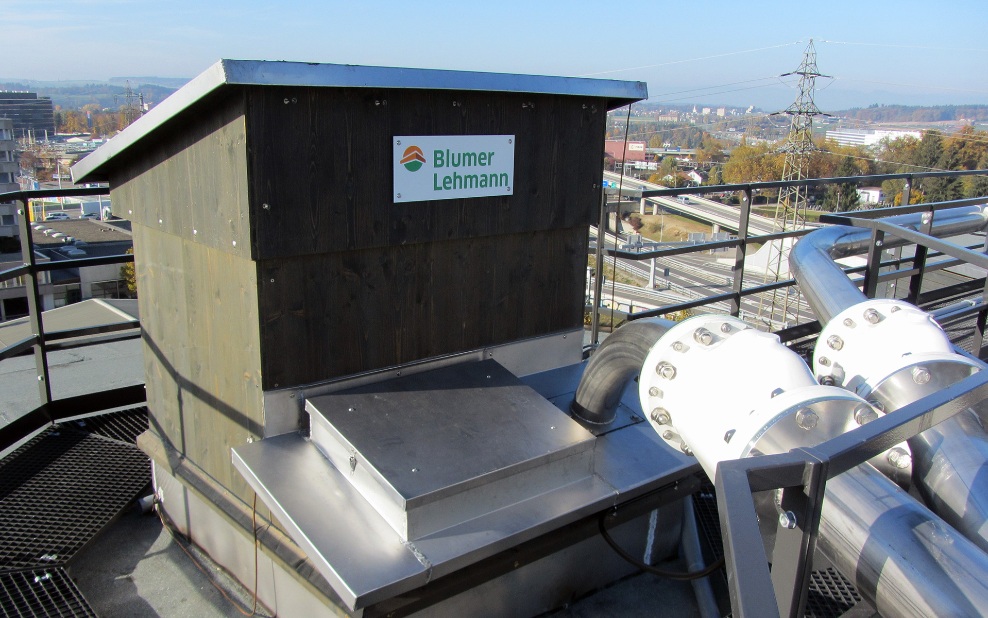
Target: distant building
866,137
634,152
871,195
721,111
706,111
669,117
8,177
62,240
33,116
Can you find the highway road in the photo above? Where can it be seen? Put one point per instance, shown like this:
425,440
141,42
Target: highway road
697,276
724,215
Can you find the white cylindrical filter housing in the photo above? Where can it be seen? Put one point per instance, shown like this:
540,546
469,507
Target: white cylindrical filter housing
719,389
865,344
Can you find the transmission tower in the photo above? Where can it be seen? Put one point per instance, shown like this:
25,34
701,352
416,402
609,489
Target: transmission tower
790,212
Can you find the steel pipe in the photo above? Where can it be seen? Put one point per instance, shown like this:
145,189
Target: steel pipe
902,557
822,281
893,353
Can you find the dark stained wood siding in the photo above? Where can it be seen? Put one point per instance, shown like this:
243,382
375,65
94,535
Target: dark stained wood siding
322,163
270,253
351,281
335,314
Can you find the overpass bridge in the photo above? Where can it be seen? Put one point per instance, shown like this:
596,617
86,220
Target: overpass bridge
723,215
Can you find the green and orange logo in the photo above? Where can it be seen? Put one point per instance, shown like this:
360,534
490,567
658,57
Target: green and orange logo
412,159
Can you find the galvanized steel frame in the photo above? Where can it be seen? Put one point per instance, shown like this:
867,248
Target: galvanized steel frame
741,243
51,411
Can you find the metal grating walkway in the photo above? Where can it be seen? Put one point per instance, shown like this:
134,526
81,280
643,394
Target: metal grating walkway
57,493
41,593
123,426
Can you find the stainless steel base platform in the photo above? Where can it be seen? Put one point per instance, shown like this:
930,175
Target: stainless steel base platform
521,428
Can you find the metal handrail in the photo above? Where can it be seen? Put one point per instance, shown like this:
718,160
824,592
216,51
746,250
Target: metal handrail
52,410
743,240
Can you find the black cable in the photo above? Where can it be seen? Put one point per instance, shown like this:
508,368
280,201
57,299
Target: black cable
675,575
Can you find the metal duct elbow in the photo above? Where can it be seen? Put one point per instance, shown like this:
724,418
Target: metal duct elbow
616,361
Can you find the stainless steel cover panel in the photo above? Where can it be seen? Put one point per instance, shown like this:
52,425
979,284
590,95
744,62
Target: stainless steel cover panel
434,449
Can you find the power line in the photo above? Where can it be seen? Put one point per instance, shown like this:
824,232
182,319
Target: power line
672,62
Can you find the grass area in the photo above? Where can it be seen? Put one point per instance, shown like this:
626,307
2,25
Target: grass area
769,211
619,275
670,228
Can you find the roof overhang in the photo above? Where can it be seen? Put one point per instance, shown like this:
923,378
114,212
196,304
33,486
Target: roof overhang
227,73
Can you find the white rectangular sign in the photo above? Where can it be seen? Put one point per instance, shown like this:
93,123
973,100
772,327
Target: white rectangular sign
445,167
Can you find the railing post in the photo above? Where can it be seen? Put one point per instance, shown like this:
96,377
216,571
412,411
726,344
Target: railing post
737,272
795,540
598,278
870,286
919,261
978,344
34,304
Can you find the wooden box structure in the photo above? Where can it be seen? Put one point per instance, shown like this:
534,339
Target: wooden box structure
270,250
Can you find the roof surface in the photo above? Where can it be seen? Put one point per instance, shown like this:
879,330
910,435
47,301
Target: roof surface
86,230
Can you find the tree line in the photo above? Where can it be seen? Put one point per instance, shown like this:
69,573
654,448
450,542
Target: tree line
935,151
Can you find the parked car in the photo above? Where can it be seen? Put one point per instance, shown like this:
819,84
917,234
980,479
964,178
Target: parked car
57,216
89,215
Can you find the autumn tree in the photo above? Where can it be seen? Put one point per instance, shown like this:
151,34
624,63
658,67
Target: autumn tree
129,275
757,163
842,196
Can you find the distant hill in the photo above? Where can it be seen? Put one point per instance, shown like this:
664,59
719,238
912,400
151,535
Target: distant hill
71,95
908,113
166,82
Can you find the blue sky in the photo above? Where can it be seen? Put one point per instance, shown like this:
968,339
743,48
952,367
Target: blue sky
716,52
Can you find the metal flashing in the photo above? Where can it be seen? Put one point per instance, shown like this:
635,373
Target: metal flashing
366,561
307,74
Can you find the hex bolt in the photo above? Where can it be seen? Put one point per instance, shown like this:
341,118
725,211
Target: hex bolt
900,458
835,342
678,346
848,322
787,519
665,370
894,309
661,416
686,449
654,392
872,316
921,375
725,327
864,414
807,419
703,336
827,380
824,361
668,435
